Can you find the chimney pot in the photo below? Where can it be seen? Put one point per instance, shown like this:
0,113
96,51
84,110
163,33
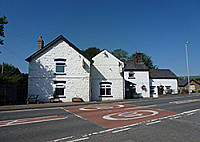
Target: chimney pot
40,43
138,58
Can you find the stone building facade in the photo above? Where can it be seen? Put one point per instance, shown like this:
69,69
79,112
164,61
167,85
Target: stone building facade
61,70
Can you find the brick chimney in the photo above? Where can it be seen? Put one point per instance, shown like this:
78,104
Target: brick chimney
138,58
40,43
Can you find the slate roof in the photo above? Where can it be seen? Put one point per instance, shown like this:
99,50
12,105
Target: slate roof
131,65
182,83
162,74
52,43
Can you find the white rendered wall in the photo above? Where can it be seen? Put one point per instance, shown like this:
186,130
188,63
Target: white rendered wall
165,82
106,68
42,69
140,78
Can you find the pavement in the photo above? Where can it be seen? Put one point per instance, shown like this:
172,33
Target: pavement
69,104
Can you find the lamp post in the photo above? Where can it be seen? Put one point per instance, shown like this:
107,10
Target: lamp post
187,66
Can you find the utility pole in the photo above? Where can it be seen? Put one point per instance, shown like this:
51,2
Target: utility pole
187,66
2,68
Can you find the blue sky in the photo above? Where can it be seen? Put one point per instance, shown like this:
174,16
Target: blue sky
159,28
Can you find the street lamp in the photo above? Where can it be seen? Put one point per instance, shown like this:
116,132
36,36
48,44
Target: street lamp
187,65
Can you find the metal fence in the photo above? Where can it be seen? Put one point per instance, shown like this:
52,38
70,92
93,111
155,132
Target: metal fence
13,94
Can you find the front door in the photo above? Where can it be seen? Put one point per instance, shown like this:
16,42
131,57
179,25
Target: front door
160,90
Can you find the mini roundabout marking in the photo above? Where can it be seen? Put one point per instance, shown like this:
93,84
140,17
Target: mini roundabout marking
115,115
129,115
100,107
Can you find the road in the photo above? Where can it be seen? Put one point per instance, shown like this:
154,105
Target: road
167,119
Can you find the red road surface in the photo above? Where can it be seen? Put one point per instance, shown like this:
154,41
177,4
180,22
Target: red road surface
30,120
117,115
185,101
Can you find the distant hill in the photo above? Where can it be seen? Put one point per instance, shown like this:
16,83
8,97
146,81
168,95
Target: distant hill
191,77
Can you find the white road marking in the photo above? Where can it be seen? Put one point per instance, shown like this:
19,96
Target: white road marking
62,139
177,117
95,133
149,106
11,122
129,115
100,107
141,107
31,118
6,125
120,130
127,127
133,108
81,139
1,111
184,101
153,122
190,113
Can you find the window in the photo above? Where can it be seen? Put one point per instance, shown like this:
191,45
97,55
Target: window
59,90
152,89
168,87
60,67
168,90
105,89
131,75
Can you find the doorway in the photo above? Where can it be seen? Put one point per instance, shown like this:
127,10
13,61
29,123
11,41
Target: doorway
160,90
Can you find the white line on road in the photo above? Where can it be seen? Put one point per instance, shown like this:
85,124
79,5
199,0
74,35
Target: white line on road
141,107
153,122
81,139
62,139
28,110
31,118
177,117
190,113
121,130
32,122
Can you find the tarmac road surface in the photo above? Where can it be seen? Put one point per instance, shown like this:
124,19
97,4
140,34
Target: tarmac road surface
167,119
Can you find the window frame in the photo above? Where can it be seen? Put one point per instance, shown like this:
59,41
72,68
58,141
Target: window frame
60,68
131,77
105,89
63,91
60,65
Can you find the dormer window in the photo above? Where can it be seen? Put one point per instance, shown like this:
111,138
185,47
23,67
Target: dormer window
131,75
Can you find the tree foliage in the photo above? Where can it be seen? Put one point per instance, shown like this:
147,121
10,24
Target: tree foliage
12,75
147,61
91,52
3,21
120,53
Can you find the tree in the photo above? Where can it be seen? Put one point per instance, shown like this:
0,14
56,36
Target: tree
91,52
3,21
12,74
120,53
